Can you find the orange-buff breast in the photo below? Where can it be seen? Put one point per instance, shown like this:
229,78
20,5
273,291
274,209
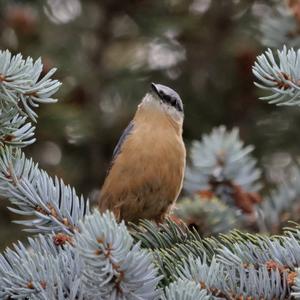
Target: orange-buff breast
146,177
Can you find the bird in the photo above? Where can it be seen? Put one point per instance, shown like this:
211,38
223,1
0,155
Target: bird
146,173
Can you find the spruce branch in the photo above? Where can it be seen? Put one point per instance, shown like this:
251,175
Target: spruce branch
164,236
210,275
22,89
55,206
281,204
220,163
100,262
255,264
221,156
115,267
171,245
208,215
281,76
236,282
185,290
285,251
90,256
280,26
21,83
42,271
171,237
296,286
13,128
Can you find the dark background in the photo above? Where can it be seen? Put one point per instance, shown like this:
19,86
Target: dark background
108,52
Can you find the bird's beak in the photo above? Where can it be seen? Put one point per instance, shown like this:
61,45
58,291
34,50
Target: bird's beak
154,88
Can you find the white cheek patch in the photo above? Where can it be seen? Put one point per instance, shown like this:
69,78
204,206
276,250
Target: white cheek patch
172,111
151,101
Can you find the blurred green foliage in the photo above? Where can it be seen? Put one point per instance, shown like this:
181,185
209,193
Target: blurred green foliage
108,52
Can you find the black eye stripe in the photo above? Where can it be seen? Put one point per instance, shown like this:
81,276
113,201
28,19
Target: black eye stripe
169,99
165,97
168,96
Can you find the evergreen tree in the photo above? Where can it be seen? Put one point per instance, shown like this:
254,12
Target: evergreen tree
75,252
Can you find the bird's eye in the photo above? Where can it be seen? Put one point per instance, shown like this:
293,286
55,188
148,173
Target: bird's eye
167,98
173,101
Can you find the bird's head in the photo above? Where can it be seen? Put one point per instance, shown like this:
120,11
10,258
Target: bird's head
165,99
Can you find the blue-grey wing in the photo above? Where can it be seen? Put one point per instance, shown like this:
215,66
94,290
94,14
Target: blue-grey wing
123,137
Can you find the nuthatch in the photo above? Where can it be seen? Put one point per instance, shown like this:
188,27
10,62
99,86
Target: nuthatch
147,169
